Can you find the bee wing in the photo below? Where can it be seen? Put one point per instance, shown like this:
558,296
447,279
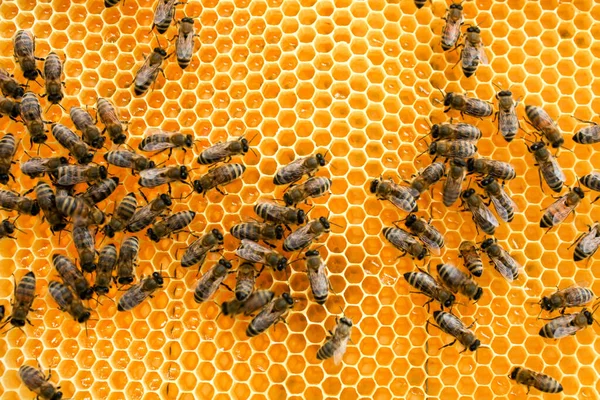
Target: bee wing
560,210
482,56
135,294
558,170
481,214
301,235
146,73
250,251
153,173
185,46
218,150
505,264
161,144
431,245
590,242
500,209
162,11
403,198
338,354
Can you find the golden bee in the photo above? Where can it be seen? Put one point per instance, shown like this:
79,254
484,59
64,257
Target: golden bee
429,235
12,201
459,282
275,213
159,176
573,296
431,288
548,166
305,235
223,151
485,166
541,121
146,215
426,178
122,215
459,131
68,303
454,180
184,45
9,85
68,175
39,384
452,149
24,47
107,262
170,225
399,196
541,382
129,159
504,205
163,14
138,293
37,166
250,305
272,313
84,244
317,277
219,176
8,147
53,69
148,72
47,202
454,327
587,135
254,252
245,278
257,231
561,208
22,301
336,344
405,242
31,114
451,32
197,251
159,140
84,123
73,143
126,261
467,105
587,243
473,53
72,276
567,325
312,188
294,171
482,216
211,280
10,108
504,263
76,207
101,190
508,121
470,255
108,115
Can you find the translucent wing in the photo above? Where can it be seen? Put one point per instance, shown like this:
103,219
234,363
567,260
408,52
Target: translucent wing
403,198
154,173
156,140
554,170
340,350
507,266
218,150
590,241
163,10
299,238
135,295
500,209
185,46
401,239
560,210
482,56
147,73
482,214
251,251
431,245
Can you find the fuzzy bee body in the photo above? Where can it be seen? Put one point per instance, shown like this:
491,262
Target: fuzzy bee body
163,15
110,118
399,196
317,277
197,251
31,114
431,288
223,151
138,293
272,313
160,176
548,166
459,131
313,188
405,242
129,159
588,135
7,228
84,244
541,382
426,178
558,211
24,45
504,263
73,143
47,202
454,180
122,215
454,327
573,296
68,175
170,225
159,140
11,109
459,282
39,384
36,166
335,346
470,255
253,303
76,207
15,202
482,216
9,85
146,215
541,121
84,123
126,261
184,46
257,231
508,121
254,252
504,205
591,181
245,279
67,302
148,73
22,301
101,190
8,147
467,105
72,276
294,171
451,31
305,235
53,69
429,235
567,325
219,176
587,244
107,261
473,53
211,280
485,166
452,149
279,214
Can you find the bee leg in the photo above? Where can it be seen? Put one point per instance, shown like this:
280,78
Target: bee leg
448,344
220,191
227,286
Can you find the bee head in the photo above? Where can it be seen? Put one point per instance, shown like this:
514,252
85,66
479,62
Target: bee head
288,298
456,6
346,321
475,345
158,278
225,263
87,158
410,220
448,98
18,91
325,223
104,173
514,373
55,97
432,148
374,184
187,19
435,129
83,318
487,243
35,207
321,159
87,294
9,227
98,142
57,396
160,51
151,164
198,186
478,294
537,146
39,138
301,216
473,29
152,235
287,198
312,253
505,93
189,141
31,74
183,173
3,178
19,323
579,192
588,316
101,290
63,161
467,193
558,143
89,267
471,164
125,280
423,254
216,233
245,146
278,232
281,264
165,198
449,301
488,180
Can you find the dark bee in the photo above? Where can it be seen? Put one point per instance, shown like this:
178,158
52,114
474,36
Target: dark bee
451,31
84,123
84,244
429,235
460,131
14,202
587,135
467,105
305,235
211,280
468,251
454,327
482,216
313,187
128,159
257,231
127,258
454,180
170,225
68,303
159,176
429,176
197,251
76,207
159,140
503,262
317,278
473,53
567,325
146,215
497,169
53,69
36,166
163,15
399,196
39,384
219,176
504,205
73,143
9,85
459,282
10,108
272,313
184,46
573,296
47,202
336,344
68,175
122,215
530,378
294,171
508,121
587,243
8,147
110,118
279,214
244,281
420,3
254,252
431,288
405,242
101,190
107,261
22,301
223,151
541,121
136,294
7,228
548,166
24,47
452,149
110,3
148,73
561,208
253,303
31,114
72,276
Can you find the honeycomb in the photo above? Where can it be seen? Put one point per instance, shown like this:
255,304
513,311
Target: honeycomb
360,79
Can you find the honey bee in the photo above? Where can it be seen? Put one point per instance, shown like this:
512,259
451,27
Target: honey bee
197,251
126,261
504,205
184,46
470,255
24,47
429,176
253,303
279,214
561,208
107,262
567,325
123,214
76,207
223,151
473,53
36,166
163,14
317,278
110,3
10,108
431,288
460,131
219,176
587,135
530,378
73,143
7,228
405,242
454,327
84,123
482,216
429,235
244,281
548,166
210,281
148,73
451,31
587,243
68,175
84,244
146,215
22,301
313,187
9,85
466,105
8,147
47,202
336,344
136,294
497,169
69,303
12,201
452,149
53,70
503,262
129,159
39,384
170,225
573,296
72,276
272,313
110,118
591,181
459,282
101,190
31,114
454,180
305,235
257,231
508,122
399,196
254,252
159,140
159,176
294,171
541,121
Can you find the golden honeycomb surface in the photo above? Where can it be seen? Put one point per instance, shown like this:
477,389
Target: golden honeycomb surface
360,79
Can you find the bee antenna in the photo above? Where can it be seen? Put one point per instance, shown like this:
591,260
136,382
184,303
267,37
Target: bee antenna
45,144
498,86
